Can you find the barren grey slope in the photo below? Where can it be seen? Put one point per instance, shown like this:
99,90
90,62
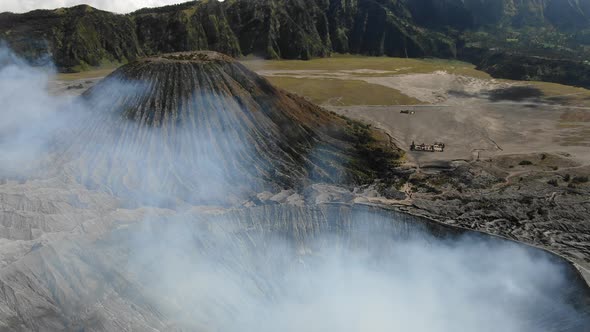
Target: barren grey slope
194,116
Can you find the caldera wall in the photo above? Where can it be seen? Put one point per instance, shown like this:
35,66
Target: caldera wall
291,268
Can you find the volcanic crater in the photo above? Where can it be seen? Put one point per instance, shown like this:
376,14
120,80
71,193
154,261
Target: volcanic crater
201,128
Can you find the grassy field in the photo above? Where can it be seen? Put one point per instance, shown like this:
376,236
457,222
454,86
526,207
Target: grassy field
564,94
338,80
337,92
94,73
347,87
388,65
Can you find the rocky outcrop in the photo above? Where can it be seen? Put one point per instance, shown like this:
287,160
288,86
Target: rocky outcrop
544,203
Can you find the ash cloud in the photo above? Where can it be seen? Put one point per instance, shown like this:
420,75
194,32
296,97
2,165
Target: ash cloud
222,273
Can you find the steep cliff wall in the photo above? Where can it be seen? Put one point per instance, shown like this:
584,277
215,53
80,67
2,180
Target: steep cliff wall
81,36
297,29
241,269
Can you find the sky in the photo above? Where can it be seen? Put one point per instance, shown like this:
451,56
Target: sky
119,6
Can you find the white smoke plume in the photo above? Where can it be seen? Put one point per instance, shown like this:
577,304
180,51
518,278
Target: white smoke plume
216,280
239,273
29,113
45,134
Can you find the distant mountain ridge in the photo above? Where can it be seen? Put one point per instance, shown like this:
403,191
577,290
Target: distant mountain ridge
81,36
476,13
295,29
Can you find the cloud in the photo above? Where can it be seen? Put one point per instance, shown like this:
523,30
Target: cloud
119,6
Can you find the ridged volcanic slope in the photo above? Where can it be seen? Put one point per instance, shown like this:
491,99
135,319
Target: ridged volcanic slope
202,114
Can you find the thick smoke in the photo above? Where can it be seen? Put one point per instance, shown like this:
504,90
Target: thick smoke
43,134
376,281
231,272
29,113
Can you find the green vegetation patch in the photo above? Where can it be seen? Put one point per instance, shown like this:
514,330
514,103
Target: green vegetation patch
391,66
336,92
375,157
564,94
91,73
